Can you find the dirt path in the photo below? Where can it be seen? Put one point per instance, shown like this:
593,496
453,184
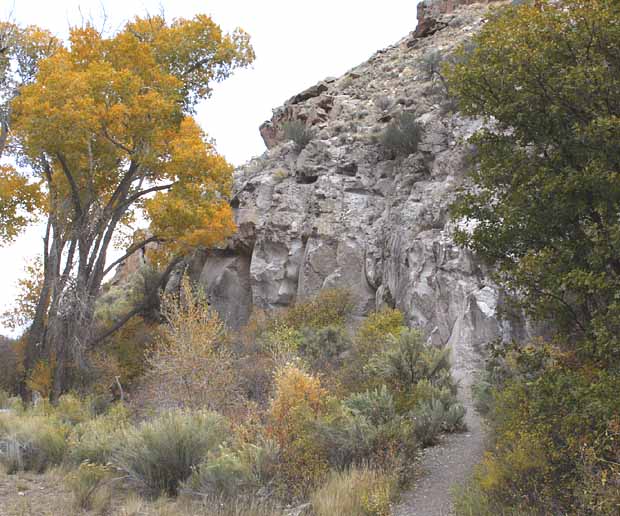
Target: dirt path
448,464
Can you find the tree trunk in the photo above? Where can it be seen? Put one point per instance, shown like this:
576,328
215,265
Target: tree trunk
74,267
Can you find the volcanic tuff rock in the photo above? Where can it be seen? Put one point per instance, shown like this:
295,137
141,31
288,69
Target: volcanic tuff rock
343,212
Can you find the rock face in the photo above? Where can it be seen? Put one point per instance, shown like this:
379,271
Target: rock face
344,212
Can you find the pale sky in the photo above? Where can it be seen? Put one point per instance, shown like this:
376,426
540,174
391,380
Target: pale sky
296,44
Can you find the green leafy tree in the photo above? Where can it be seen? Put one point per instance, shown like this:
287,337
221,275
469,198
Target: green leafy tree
545,207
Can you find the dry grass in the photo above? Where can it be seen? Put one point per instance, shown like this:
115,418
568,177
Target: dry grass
48,494
26,494
134,505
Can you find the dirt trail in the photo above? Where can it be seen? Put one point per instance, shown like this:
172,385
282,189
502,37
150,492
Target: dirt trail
448,464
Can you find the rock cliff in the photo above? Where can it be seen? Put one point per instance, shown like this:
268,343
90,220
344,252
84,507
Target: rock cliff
343,212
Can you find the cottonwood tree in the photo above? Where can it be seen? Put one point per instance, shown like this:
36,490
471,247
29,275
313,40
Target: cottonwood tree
103,128
20,51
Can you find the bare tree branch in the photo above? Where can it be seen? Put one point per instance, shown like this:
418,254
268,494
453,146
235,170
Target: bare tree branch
158,188
116,143
75,193
149,302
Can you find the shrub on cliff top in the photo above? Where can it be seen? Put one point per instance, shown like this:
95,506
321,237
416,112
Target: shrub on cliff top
297,131
402,135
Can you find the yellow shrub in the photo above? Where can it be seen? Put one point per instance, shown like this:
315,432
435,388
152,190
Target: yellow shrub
73,410
377,327
281,342
329,308
40,378
519,464
296,392
191,359
299,401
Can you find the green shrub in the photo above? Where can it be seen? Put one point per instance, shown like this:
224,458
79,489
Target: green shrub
299,132
383,102
402,135
323,346
442,389
454,420
482,392
95,440
32,442
368,428
428,419
406,361
11,456
417,376
161,453
245,468
556,434
371,337
11,364
223,473
470,500
16,405
229,472
356,491
431,64
376,405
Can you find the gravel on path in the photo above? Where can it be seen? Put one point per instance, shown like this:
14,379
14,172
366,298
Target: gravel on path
446,465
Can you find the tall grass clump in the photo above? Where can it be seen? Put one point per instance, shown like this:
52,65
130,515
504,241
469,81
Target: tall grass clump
4,399
161,453
361,491
90,487
31,442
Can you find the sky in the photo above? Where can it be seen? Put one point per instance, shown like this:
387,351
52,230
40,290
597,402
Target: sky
297,44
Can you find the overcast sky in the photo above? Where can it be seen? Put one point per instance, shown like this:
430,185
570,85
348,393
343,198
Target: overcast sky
296,44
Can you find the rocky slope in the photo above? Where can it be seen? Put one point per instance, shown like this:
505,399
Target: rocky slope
343,212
